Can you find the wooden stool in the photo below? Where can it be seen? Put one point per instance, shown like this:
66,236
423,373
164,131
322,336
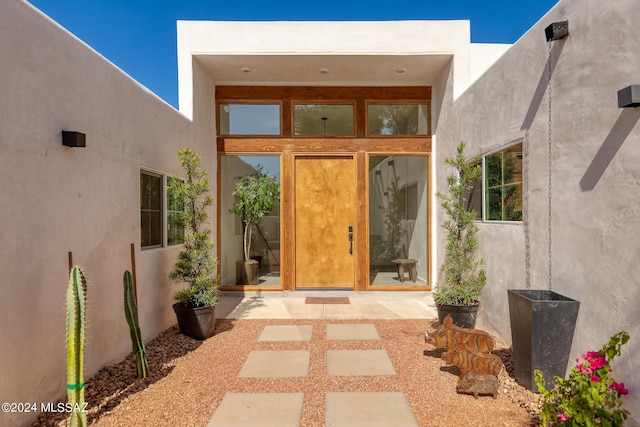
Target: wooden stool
400,265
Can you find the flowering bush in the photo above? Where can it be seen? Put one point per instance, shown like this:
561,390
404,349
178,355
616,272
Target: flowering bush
590,397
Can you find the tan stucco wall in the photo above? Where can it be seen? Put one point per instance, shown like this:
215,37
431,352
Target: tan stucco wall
595,153
85,200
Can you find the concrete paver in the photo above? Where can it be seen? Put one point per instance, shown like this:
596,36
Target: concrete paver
368,410
359,363
276,364
259,410
279,333
361,409
349,332
291,305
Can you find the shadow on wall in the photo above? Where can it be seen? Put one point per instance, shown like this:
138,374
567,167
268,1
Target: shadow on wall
543,84
612,143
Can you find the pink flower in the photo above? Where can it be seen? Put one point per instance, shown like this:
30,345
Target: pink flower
595,378
564,417
595,359
620,388
584,369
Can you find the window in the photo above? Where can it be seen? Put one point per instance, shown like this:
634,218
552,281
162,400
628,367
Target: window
175,223
150,210
501,186
153,213
249,119
323,119
398,119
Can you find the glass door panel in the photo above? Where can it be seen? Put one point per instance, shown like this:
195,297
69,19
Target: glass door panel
398,220
265,241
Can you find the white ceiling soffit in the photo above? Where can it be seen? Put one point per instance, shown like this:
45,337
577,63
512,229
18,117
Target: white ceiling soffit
324,70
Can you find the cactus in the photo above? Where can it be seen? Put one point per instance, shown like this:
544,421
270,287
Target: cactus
131,313
76,312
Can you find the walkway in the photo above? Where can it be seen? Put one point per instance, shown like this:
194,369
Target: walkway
348,409
292,305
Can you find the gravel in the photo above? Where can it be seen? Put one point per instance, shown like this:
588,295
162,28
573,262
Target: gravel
188,379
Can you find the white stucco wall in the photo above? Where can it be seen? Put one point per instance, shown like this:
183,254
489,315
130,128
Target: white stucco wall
333,41
595,184
483,56
85,200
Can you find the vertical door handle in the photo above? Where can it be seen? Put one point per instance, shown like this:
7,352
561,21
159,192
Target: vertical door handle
350,240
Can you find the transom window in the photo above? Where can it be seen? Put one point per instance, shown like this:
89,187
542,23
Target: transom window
249,119
360,112
398,119
323,119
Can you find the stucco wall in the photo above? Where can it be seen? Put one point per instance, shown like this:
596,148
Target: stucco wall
595,183
85,200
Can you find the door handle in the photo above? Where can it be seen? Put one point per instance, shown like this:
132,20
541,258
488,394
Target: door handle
350,240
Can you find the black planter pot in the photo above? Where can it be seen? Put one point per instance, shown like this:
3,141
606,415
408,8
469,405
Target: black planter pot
542,325
463,316
197,323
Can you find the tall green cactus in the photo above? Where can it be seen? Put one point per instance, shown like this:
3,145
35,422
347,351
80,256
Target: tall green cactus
76,315
131,312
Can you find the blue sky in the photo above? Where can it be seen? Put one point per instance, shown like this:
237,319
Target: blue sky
139,36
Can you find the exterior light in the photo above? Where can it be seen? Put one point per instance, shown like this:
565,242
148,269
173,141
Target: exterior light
246,69
557,31
401,70
324,70
73,139
629,96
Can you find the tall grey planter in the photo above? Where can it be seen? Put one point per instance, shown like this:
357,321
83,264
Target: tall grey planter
542,325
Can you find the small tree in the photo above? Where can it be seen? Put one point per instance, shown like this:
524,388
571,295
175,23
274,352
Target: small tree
463,271
195,265
256,197
393,216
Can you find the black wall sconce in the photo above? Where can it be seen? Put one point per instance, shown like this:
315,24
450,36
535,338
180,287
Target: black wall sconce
557,31
629,97
73,139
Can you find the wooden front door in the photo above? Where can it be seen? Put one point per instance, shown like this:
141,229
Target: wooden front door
324,221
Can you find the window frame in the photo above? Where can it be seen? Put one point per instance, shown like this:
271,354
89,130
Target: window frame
278,102
343,102
164,210
287,96
369,102
155,174
483,214
173,211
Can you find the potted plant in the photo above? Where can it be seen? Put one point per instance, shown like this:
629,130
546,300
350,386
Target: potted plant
463,275
195,266
256,195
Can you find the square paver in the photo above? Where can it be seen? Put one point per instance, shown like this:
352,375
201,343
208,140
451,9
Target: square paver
368,409
359,363
286,333
352,332
259,410
276,364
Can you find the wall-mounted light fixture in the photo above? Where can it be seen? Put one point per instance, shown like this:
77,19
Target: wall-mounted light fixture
557,31
73,139
629,96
